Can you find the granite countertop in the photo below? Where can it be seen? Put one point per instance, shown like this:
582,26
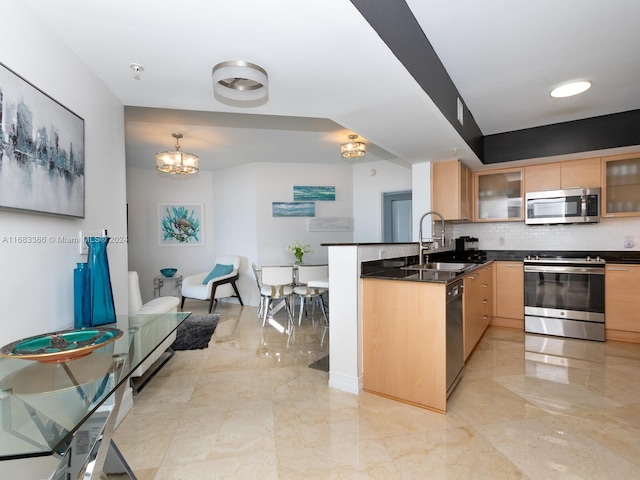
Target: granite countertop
395,269
392,268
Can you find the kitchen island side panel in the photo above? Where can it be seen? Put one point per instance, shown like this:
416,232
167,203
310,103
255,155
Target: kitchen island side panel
404,333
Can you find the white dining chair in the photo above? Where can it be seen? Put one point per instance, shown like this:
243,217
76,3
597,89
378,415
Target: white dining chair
276,291
307,293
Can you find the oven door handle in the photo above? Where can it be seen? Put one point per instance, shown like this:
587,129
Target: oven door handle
564,269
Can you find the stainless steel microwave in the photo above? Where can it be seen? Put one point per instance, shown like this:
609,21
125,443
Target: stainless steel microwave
573,205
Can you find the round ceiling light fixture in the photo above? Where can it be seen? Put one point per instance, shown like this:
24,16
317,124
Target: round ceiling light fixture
239,80
570,89
353,148
176,161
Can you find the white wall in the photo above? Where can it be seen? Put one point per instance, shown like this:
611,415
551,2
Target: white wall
146,188
370,181
37,285
239,221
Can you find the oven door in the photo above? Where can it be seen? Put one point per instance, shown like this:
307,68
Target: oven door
569,292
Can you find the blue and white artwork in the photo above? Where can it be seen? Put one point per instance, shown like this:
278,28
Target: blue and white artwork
41,151
294,209
180,224
310,193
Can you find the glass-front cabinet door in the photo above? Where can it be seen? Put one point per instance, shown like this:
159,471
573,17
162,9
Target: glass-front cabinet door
498,195
622,186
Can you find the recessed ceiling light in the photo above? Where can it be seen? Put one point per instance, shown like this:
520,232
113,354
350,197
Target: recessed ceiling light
570,89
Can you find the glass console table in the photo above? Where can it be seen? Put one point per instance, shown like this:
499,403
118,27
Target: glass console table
57,419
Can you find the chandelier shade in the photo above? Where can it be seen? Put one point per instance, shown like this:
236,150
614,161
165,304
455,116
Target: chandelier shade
173,162
353,149
239,80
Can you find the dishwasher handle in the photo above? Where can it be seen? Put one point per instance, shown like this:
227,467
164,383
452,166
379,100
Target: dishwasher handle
454,290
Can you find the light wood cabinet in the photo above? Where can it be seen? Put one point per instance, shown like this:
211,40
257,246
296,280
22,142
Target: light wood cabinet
509,294
581,173
404,341
451,190
621,192
498,195
622,302
477,306
538,178
584,173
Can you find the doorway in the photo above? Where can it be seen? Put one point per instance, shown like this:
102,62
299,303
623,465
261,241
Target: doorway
396,217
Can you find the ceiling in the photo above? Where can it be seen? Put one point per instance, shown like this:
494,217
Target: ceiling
330,74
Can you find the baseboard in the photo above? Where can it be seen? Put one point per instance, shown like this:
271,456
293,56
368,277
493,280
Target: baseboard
508,322
622,336
345,383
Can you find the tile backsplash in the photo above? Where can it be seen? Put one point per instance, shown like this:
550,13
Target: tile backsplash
609,234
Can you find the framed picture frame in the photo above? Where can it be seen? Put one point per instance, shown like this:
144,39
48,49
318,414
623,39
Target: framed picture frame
42,151
180,224
302,193
293,209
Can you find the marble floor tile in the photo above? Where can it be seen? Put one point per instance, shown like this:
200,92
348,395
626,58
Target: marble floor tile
249,407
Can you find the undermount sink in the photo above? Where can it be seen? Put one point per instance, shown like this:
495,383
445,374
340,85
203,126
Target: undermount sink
447,267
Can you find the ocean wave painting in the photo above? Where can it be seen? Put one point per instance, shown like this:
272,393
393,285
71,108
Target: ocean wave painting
310,193
294,209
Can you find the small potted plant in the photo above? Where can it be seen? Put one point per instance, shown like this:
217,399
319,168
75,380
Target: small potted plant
299,250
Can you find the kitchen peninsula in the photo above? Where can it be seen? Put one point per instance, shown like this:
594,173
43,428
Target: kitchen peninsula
347,302
347,305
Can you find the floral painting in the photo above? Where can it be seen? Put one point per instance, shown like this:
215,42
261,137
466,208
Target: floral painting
180,224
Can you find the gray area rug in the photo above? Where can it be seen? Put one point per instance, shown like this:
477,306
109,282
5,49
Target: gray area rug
195,332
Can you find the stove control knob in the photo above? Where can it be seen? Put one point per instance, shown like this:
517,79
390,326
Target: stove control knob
537,257
598,259
588,258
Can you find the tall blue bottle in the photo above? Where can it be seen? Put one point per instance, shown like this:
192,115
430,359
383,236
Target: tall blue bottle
81,296
102,308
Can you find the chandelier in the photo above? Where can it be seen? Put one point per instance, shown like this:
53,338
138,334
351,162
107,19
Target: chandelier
177,161
353,149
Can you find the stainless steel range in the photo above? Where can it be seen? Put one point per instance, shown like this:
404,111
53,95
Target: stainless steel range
564,296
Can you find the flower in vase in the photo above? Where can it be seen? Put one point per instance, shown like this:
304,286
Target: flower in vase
299,250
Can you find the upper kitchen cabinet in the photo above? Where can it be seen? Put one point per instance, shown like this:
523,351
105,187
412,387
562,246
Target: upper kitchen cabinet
621,186
582,173
498,195
451,190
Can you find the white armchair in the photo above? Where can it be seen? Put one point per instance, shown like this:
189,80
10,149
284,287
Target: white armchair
219,287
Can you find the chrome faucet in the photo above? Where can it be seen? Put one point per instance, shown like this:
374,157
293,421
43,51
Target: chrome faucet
421,260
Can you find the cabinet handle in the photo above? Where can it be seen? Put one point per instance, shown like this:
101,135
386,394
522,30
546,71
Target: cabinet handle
485,301
484,285
617,269
513,265
485,316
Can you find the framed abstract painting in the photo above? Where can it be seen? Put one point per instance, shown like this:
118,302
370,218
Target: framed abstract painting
41,151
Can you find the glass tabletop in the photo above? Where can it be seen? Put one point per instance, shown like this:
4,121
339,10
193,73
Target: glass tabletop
43,403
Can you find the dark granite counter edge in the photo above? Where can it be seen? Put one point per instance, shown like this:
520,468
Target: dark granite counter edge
611,256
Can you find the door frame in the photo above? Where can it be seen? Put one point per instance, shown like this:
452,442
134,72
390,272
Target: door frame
387,199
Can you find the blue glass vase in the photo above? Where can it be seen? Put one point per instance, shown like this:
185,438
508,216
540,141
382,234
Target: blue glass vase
102,308
81,296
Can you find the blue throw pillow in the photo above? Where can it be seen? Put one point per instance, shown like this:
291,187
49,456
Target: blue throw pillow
218,271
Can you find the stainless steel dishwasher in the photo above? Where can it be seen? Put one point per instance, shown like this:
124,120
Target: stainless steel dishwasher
455,349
